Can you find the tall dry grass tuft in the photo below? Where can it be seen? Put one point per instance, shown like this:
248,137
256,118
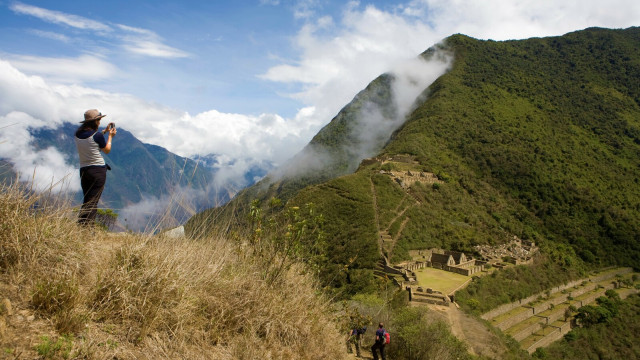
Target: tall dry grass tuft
41,254
212,294
151,297
37,232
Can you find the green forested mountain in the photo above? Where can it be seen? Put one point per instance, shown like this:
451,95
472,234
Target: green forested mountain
536,138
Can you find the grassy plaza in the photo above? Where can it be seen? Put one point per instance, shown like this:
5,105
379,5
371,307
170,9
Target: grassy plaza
439,280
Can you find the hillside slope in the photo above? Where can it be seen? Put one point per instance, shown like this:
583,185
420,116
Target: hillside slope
553,126
68,292
536,138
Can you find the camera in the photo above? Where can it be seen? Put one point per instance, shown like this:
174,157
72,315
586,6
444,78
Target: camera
111,126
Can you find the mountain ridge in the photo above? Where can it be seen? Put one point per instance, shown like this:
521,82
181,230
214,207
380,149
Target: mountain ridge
533,138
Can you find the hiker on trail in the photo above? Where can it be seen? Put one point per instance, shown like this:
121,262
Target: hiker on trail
351,339
355,337
379,343
93,169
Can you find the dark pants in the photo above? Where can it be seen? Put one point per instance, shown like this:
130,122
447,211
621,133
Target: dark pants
354,340
380,346
92,179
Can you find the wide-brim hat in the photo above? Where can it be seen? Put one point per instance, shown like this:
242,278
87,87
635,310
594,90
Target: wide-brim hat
91,115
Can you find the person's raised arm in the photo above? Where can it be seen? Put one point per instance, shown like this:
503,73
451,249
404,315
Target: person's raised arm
112,133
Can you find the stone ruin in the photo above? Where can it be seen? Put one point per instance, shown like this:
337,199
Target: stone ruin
516,252
407,178
452,261
428,295
409,283
404,178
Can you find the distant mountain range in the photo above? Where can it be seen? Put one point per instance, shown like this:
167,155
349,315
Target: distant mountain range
137,169
536,138
150,173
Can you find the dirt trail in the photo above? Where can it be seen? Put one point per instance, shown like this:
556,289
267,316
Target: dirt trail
365,352
479,339
384,233
374,200
398,215
404,223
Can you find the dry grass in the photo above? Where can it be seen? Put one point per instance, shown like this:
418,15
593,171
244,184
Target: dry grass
143,297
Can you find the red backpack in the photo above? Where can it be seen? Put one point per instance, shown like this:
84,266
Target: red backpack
387,338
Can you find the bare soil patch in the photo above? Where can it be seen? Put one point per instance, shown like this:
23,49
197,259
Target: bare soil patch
473,332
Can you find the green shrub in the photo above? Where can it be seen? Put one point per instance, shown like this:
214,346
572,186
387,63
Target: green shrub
47,348
388,166
106,218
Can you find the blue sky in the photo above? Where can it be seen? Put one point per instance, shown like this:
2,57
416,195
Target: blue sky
250,80
215,50
218,48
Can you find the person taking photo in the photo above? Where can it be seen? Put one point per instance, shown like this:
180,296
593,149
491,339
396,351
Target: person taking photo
93,169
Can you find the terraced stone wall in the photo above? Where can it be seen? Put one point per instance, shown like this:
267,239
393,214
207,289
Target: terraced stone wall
557,335
524,333
510,321
508,307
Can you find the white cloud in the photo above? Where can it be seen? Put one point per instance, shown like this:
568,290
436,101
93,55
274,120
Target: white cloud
50,35
362,45
153,213
304,8
46,169
270,2
146,42
517,19
135,40
58,17
65,70
151,47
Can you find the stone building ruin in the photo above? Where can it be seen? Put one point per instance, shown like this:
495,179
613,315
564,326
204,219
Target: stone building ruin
407,178
453,261
517,252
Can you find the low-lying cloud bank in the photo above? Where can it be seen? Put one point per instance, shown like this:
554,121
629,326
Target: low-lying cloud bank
45,169
31,102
